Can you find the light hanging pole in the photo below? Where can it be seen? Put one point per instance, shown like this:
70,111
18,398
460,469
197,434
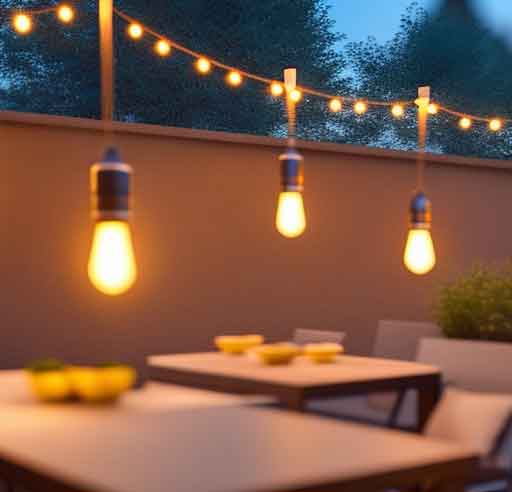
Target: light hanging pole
112,268
290,216
419,254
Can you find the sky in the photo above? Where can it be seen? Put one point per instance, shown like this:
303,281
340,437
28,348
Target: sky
359,19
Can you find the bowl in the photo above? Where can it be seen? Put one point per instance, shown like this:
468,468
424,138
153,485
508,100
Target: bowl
322,353
237,344
276,354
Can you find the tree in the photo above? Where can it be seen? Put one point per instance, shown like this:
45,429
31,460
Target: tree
55,69
467,66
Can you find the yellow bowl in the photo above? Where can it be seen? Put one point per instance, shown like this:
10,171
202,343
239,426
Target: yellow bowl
322,352
237,344
50,386
101,384
276,354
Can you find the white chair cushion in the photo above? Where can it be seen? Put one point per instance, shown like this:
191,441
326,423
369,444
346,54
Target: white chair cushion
469,418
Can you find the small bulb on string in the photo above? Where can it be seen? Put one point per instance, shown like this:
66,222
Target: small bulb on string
234,78
360,107
465,123
276,89
203,65
135,30
397,110
295,95
65,13
495,125
433,108
22,23
163,47
335,105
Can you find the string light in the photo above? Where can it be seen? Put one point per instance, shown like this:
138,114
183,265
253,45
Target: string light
203,65
360,107
433,108
397,110
22,23
495,125
234,78
135,30
163,47
465,123
276,89
65,13
295,96
335,105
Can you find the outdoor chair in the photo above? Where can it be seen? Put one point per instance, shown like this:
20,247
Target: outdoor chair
394,340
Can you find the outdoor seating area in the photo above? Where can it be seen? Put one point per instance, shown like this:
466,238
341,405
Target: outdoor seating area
256,246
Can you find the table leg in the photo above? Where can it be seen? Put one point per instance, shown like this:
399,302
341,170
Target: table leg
428,397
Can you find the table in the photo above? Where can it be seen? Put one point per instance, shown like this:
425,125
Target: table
215,449
302,380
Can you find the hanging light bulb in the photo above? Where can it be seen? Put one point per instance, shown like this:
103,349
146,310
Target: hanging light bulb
203,65
495,125
65,13
135,30
22,23
397,110
290,216
419,254
112,268
295,95
276,89
433,108
162,47
465,123
360,107
234,78
335,105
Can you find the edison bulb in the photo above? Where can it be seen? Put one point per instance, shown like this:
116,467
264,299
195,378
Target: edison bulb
65,14
295,95
433,108
162,47
112,268
203,65
397,110
290,217
135,31
234,78
360,107
465,123
335,105
495,125
22,23
419,255
276,89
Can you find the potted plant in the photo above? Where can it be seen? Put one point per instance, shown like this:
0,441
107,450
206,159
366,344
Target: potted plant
478,305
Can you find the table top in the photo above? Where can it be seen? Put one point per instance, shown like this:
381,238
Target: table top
301,372
213,449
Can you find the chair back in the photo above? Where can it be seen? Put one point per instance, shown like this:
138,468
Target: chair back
302,336
471,365
399,339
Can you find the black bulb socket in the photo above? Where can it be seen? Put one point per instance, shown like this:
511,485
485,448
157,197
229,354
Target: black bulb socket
420,212
110,188
292,170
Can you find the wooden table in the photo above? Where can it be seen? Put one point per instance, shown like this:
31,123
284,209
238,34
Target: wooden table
215,449
302,380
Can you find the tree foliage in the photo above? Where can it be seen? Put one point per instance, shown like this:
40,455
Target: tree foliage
56,69
466,65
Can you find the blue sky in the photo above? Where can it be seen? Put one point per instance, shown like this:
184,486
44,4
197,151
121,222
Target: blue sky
359,19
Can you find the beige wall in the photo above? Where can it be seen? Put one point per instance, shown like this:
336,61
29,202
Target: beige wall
209,257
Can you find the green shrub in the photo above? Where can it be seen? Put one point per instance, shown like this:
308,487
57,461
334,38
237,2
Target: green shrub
478,305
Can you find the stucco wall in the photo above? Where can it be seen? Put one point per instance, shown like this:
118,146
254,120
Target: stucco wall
210,260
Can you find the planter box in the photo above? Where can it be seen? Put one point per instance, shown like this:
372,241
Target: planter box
470,364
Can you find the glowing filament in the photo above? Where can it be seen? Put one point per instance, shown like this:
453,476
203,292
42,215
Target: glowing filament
203,65
112,269
433,108
22,23
163,47
276,89
65,14
397,110
234,78
290,217
360,107
135,30
335,105
495,125
419,255
295,95
465,123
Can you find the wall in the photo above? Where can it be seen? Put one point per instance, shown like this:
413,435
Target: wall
209,257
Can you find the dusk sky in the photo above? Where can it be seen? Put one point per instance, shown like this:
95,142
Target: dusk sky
359,19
